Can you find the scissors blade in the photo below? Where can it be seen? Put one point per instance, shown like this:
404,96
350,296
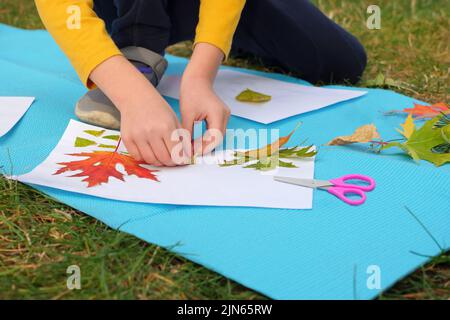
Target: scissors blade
309,183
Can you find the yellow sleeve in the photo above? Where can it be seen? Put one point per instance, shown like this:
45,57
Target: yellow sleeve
218,20
85,40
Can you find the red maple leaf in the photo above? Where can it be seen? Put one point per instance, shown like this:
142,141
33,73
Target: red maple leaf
100,165
432,111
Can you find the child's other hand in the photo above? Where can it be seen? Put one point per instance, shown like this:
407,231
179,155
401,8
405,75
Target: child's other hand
198,102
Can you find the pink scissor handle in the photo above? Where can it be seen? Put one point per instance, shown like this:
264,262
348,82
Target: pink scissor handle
342,182
342,192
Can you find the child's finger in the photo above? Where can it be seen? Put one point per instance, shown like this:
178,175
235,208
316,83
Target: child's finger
148,155
132,149
161,152
188,122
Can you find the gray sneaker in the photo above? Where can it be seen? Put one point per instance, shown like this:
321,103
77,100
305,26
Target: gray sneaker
96,108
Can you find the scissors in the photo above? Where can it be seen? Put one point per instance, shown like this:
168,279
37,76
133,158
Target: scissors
338,187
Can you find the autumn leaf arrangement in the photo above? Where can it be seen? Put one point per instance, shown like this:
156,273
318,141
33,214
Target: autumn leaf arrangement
100,165
269,157
429,142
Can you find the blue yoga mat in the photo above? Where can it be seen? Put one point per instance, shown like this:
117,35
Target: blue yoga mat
325,253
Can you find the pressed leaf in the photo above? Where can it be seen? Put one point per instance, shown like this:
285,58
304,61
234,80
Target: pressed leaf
99,166
297,152
268,157
249,95
114,137
408,127
363,134
82,142
262,165
284,164
109,146
95,133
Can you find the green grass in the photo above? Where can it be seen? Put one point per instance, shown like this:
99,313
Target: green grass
40,238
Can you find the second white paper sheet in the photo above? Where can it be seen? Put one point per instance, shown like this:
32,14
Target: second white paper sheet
204,183
288,99
11,110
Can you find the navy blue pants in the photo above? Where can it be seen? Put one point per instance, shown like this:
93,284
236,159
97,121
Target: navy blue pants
291,34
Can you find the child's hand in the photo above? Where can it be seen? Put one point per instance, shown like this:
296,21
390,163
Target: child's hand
146,130
147,121
198,102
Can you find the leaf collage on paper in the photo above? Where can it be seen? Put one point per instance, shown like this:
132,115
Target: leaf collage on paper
269,157
249,95
98,165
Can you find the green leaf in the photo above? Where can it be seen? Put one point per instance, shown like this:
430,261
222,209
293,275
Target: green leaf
297,152
445,132
82,142
422,142
95,133
114,137
252,96
286,164
107,146
266,165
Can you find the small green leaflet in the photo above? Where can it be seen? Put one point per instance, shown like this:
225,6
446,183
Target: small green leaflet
273,161
114,137
106,146
82,142
249,95
95,133
427,143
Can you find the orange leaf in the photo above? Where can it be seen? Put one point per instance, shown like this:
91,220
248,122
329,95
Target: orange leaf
272,148
432,111
100,165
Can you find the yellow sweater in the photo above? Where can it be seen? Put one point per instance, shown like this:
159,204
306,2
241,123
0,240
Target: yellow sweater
90,45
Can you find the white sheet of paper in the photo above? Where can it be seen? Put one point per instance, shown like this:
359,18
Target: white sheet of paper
11,110
288,99
204,183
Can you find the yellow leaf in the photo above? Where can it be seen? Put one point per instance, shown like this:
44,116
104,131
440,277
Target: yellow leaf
408,127
363,134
